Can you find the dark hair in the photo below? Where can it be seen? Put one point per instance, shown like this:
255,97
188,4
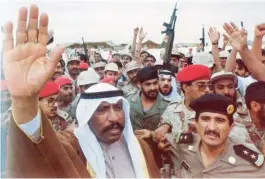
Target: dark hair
241,64
119,64
188,83
83,57
263,52
151,56
144,52
231,120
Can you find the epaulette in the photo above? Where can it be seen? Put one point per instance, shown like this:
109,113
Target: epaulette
64,115
184,138
253,157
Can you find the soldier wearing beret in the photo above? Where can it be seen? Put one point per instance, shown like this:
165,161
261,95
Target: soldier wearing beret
48,102
211,153
147,105
178,116
255,100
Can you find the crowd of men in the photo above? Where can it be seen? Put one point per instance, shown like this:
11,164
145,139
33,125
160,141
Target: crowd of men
129,115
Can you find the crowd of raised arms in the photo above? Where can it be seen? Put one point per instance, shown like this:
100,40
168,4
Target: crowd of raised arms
71,113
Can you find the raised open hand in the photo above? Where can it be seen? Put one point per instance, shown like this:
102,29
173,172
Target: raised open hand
237,38
25,66
142,34
260,30
136,30
214,35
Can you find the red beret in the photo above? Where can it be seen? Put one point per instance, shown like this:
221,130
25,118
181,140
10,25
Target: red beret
83,66
107,80
49,89
62,81
3,85
193,72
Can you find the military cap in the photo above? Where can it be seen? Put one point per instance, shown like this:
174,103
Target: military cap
126,54
111,67
83,66
88,77
222,75
224,54
62,81
193,72
146,73
255,92
49,89
99,64
132,66
74,58
214,103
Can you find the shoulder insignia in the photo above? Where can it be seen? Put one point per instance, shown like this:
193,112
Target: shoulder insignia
253,157
184,138
63,115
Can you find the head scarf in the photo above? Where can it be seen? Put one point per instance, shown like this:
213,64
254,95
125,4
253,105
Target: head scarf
88,141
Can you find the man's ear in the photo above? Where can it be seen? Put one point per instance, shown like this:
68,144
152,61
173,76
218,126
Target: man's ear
185,87
255,106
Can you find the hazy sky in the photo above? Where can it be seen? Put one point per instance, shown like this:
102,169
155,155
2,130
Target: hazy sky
114,20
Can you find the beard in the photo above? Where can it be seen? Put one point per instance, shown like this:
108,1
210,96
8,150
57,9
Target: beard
151,95
134,80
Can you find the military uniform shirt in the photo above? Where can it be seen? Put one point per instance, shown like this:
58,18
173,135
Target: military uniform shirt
148,119
188,161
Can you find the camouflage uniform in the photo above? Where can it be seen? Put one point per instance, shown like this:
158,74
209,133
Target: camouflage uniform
178,117
61,121
129,88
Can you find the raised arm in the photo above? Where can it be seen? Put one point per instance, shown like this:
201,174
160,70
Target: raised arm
135,33
214,36
26,67
257,42
238,39
225,42
139,46
231,61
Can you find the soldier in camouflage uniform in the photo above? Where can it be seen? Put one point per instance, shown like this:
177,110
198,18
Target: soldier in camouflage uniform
131,86
48,101
178,116
255,100
211,153
65,94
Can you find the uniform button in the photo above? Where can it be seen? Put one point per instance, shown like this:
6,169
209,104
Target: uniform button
232,160
112,158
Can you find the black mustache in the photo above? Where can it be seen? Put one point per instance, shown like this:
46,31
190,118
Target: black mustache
213,132
112,126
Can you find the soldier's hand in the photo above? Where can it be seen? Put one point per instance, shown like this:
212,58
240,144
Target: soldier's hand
260,30
160,132
214,35
136,30
25,66
163,145
142,34
143,134
237,38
